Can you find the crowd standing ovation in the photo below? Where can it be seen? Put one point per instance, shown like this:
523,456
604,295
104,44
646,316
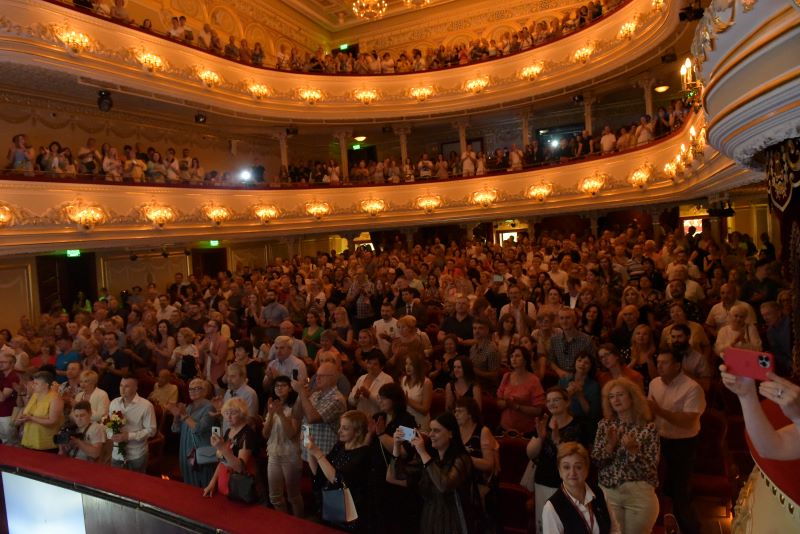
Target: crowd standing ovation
405,374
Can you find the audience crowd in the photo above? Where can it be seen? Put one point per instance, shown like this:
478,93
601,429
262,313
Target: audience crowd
407,375
368,63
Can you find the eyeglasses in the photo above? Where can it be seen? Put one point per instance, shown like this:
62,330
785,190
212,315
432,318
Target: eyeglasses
612,396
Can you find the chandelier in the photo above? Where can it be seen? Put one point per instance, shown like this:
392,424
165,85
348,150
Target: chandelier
373,206
416,3
74,41
641,176
87,216
484,198
626,31
369,9
317,209
266,212
310,96
365,96
583,54
216,214
540,191
697,142
259,91
591,185
658,5
476,85
421,93
428,203
531,72
6,215
209,78
158,214
150,62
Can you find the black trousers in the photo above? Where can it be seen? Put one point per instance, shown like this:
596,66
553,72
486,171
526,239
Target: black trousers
679,456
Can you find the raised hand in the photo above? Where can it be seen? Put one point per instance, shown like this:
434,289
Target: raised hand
784,393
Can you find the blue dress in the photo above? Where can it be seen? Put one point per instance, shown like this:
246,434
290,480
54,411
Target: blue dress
200,475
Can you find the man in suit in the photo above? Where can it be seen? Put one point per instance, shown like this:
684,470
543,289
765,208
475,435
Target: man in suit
409,305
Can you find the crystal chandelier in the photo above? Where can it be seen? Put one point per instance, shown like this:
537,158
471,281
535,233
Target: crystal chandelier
641,176
540,191
365,96
209,78
532,71
216,214
591,185
310,95
259,90
150,62
86,216
373,206
158,214
6,215
428,203
369,9
476,85
74,41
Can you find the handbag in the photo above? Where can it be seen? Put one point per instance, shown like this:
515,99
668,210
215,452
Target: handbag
242,488
338,506
201,455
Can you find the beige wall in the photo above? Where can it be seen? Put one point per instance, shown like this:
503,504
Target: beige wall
118,272
19,291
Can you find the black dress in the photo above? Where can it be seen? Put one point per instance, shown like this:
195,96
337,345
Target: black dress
352,469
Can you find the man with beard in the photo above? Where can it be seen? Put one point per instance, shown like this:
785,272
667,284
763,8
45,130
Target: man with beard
695,364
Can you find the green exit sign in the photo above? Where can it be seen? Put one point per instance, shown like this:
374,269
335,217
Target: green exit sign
356,147
343,47
214,243
74,253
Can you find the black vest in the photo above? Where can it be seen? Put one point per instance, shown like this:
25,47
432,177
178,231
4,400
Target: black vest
572,519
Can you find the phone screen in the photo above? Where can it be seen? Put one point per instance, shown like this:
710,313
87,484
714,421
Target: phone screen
216,431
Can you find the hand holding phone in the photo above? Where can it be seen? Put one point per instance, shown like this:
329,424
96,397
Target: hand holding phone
305,431
216,431
408,433
295,374
748,363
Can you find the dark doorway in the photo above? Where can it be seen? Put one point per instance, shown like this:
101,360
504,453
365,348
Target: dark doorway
60,278
209,261
367,153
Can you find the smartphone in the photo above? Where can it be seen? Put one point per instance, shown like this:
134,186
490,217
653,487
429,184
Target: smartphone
497,278
408,433
749,363
295,374
216,431
304,430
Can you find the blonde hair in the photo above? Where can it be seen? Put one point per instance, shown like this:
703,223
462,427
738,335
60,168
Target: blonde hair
639,406
408,321
187,333
236,403
571,448
359,421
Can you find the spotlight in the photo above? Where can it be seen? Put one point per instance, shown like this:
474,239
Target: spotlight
245,175
577,99
104,102
554,143
133,256
200,118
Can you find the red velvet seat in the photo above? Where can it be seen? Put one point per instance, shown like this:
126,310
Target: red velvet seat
513,512
490,412
155,453
711,477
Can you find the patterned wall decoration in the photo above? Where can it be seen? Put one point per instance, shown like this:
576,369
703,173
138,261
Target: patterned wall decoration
783,172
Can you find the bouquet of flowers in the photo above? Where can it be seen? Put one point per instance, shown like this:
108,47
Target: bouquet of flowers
114,423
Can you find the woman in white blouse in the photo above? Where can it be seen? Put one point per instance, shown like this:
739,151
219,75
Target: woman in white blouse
738,332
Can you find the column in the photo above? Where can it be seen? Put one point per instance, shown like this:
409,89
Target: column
284,147
461,124
526,130
532,222
588,101
402,132
646,83
593,216
655,215
344,136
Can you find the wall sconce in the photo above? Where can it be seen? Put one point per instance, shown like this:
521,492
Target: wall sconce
476,85
365,96
641,176
583,54
317,209
428,203
540,191
421,93
6,215
484,197
150,62
86,216
674,169
266,212
373,206
158,214
532,71
658,5
697,142
209,78
216,214
626,31
259,91
310,96
591,185
75,42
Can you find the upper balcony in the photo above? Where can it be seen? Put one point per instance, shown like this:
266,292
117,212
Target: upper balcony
43,214
127,60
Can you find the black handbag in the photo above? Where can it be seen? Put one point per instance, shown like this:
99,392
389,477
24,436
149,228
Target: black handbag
242,488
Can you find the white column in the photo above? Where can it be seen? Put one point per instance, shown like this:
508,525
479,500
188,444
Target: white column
588,102
343,137
461,124
526,130
402,132
284,147
646,83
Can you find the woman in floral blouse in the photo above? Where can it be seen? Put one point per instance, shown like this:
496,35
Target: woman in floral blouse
627,449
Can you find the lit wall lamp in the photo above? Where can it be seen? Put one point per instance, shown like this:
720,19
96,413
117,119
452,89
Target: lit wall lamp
259,91
476,85
428,203
540,191
86,216
149,61
75,42
309,95
658,5
641,176
421,93
209,78
317,209
373,206
591,185
216,214
6,215
158,214
266,212
532,71
366,96
626,31
583,54
484,198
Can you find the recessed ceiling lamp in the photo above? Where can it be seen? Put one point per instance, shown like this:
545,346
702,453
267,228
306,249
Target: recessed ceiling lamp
369,9
661,88
360,138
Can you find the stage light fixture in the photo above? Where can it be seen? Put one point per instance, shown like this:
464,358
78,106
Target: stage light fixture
104,101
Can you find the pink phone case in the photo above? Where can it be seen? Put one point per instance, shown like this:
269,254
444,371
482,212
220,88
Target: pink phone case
749,363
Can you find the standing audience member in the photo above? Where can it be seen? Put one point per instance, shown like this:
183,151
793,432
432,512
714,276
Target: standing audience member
282,432
42,415
130,445
322,407
194,421
9,381
86,441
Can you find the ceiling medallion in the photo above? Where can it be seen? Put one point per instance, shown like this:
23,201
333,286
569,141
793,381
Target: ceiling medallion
540,191
373,206
365,96
369,9
421,93
317,209
266,212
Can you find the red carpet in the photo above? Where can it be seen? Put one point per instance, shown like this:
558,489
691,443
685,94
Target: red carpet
174,497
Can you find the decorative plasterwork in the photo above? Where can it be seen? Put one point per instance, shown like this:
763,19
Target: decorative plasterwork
111,59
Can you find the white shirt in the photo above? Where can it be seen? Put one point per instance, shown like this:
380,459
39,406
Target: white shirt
140,424
551,523
608,142
517,312
369,405
299,350
719,315
385,327
99,401
681,395
286,367
163,314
